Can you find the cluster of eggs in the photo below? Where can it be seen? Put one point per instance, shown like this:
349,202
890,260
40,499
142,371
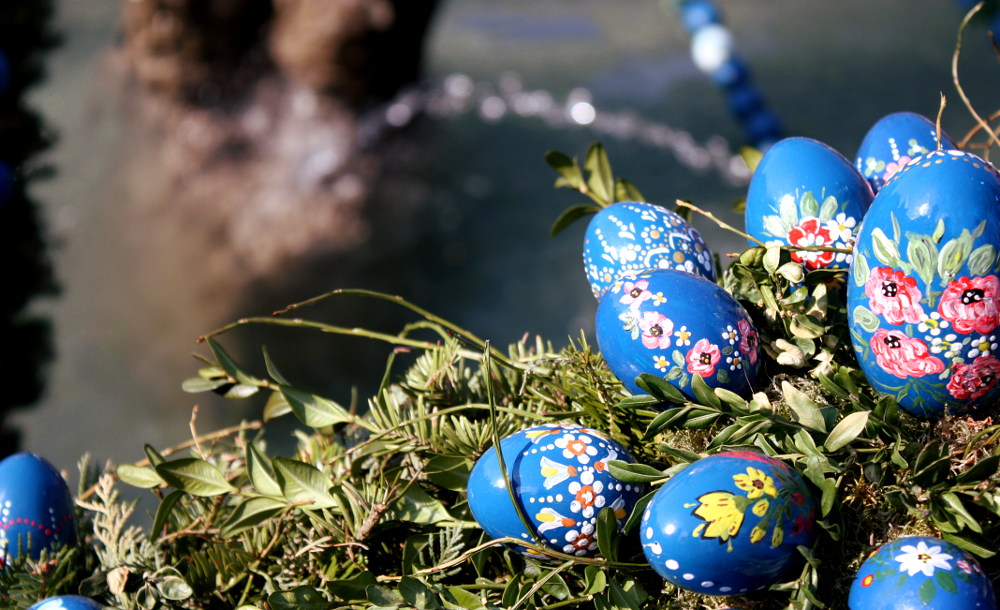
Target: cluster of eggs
918,228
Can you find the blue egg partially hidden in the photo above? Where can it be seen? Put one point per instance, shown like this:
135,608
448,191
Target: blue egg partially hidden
67,602
633,236
892,142
919,572
804,193
36,508
561,482
729,524
676,325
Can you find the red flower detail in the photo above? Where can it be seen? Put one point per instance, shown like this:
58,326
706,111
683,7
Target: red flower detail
894,295
811,233
867,580
903,356
971,381
799,525
702,358
749,343
971,304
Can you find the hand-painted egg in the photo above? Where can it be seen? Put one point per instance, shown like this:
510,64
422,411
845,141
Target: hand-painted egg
67,602
728,524
923,299
804,193
36,508
892,142
918,572
633,236
561,482
676,325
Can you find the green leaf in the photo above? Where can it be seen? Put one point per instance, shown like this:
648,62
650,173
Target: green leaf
703,393
953,255
789,212
163,513
628,472
599,168
195,385
272,370
196,477
353,588
417,506
249,514
660,389
805,409
230,366
983,260
417,594
792,272
806,327
276,407
153,455
956,507
607,534
595,580
977,545
864,318
847,430
938,231
922,255
315,411
566,167
979,230
859,269
981,470
301,482
626,191
465,599
635,517
302,597
571,215
772,256
261,472
138,476
810,207
829,497
927,592
174,588
829,209
751,156
240,391
886,250
946,581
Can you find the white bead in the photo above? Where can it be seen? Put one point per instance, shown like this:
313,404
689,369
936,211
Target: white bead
711,47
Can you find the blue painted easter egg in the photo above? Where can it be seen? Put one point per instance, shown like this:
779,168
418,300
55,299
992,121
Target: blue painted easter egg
36,508
633,236
892,142
919,572
728,524
804,193
67,602
676,325
923,299
561,482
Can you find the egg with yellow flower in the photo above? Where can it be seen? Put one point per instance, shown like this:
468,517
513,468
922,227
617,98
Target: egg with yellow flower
729,524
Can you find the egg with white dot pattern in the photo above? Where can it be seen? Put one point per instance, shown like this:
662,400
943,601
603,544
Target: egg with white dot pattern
560,481
729,524
36,508
632,236
67,602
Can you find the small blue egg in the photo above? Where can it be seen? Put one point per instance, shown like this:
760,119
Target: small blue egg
920,572
923,298
560,478
67,602
675,325
36,508
729,524
804,193
633,236
892,142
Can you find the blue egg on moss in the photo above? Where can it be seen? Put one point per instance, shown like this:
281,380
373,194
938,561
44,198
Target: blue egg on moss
67,602
36,508
923,298
560,481
676,325
804,193
920,572
729,524
894,141
633,236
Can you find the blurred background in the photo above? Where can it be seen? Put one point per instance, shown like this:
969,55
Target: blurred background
216,163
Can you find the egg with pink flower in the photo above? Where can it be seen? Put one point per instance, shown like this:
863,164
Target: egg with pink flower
923,296
895,140
677,326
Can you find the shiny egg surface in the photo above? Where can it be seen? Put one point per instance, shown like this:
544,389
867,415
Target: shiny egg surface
67,602
892,142
36,508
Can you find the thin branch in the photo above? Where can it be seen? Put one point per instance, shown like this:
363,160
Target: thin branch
954,73
721,223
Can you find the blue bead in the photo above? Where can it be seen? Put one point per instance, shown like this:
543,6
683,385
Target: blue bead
763,126
733,73
744,101
696,14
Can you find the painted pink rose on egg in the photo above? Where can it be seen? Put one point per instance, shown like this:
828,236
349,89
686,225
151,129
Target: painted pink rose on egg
970,304
903,356
702,358
748,341
971,381
894,295
811,232
656,330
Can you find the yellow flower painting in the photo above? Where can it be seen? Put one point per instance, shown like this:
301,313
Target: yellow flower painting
722,515
756,483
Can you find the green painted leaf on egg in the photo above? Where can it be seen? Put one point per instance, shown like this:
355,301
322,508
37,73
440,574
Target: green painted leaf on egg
865,318
859,269
983,260
885,250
